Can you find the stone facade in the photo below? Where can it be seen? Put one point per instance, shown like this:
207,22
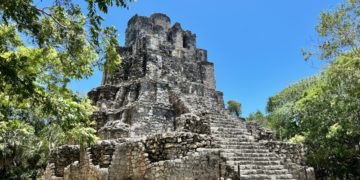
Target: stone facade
161,117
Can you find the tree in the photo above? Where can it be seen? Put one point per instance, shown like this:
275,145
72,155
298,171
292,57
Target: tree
37,109
282,117
258,117
329,109
234,107
330,117
338,32
323,113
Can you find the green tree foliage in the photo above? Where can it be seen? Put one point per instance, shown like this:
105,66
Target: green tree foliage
234,107
330,108
37,109
258,117
323,113
282,116
331,122
338,32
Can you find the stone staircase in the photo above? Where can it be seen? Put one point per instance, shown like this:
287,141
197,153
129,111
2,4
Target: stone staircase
241,150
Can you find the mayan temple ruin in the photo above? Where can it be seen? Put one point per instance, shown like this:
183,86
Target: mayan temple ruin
160,117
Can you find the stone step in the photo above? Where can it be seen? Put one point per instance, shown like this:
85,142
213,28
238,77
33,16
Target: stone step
264,171
238,136
224,142
270,167
266,177
246,162
241,146
235,131
230,131
233,134
222,128
252,158
227,125
235,139
241,151
228,143
249,151
225,120
231,155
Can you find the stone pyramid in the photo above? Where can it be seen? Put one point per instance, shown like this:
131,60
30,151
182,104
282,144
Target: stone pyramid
161,117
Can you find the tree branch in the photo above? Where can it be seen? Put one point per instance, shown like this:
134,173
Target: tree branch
46,13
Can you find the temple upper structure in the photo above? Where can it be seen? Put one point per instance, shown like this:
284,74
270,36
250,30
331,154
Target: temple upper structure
163,75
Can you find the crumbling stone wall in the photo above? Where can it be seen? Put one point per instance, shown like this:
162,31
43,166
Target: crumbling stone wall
192,123
180,155
102,152
260,133
63,156
292,155
290,151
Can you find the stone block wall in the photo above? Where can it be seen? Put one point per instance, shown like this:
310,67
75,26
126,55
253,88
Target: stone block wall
196,165
102,152
175,145
292,152
173,155
292,155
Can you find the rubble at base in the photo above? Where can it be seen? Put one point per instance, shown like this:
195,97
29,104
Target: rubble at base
161,117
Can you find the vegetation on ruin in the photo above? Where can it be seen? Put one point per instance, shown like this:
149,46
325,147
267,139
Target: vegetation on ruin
42,48
234,107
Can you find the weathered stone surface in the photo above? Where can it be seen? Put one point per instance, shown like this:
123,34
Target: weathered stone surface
260,133
63,156
161,117
175,145
189,122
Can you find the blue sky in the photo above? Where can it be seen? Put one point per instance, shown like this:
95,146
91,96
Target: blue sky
254,44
